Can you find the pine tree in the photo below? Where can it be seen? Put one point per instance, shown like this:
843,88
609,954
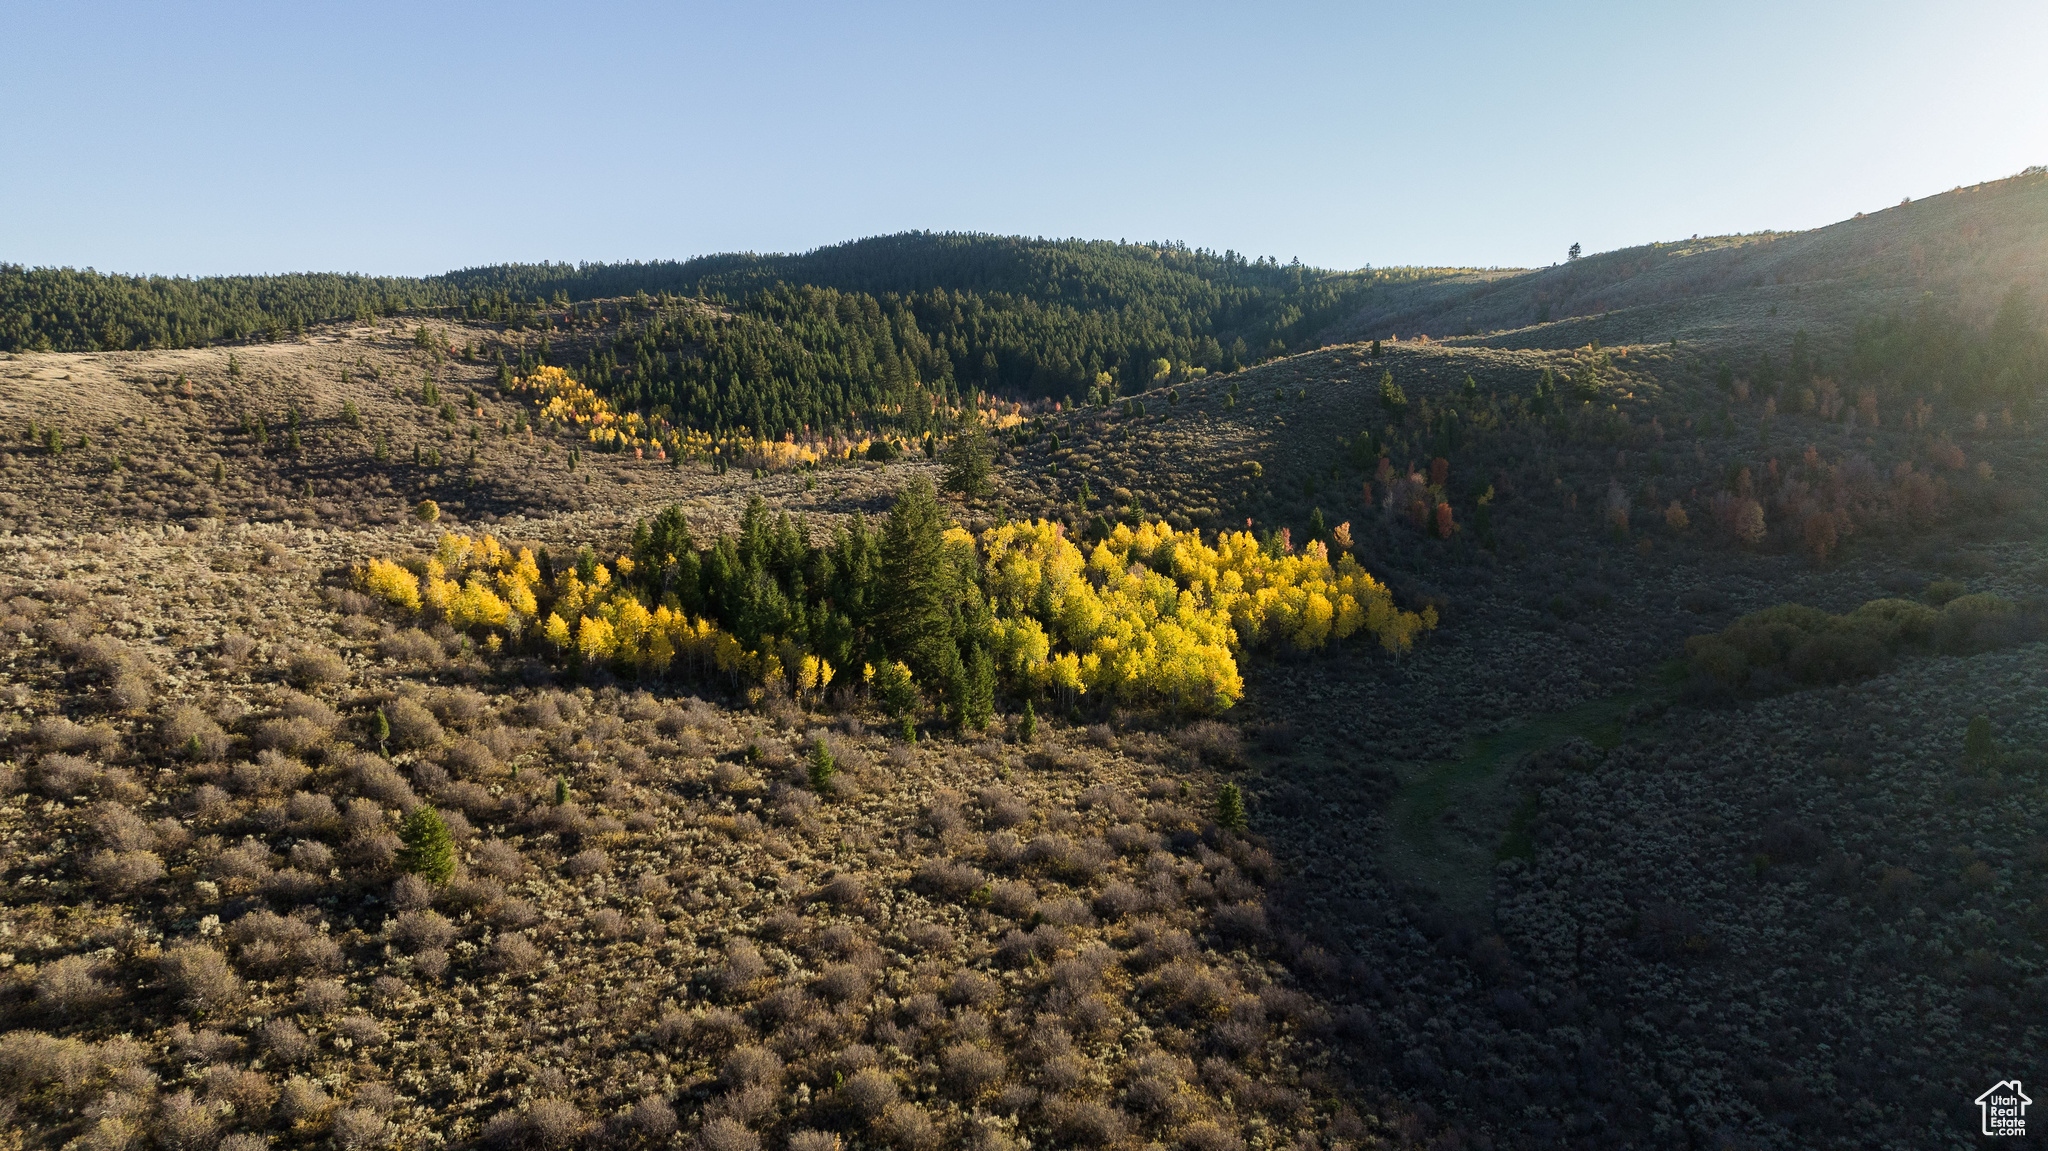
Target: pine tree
913,622
1027,727
1977,743
561,791
1586,384
1392,398
898,691
969,460
954,687
1230,808
429,852
382,728
822,766
979,704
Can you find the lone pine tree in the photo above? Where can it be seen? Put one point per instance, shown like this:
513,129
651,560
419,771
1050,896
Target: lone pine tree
1977,743
429,852
969,460
822,767
1230,808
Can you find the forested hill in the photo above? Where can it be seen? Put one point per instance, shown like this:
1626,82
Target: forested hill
1090,275
1088,305
1014,316
852,330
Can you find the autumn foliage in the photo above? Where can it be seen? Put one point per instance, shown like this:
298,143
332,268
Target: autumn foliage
1149,616
563,400
1155,615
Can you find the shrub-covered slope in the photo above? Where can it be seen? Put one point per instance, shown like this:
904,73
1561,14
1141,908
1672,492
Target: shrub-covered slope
1967,247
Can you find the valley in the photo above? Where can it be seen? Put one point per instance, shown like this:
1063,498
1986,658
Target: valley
319,832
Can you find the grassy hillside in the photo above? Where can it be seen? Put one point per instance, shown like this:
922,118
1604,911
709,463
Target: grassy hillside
1967,247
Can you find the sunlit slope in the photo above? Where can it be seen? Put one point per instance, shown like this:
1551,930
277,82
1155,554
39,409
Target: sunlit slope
1967,247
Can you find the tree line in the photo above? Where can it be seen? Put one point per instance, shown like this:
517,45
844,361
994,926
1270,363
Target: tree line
774,342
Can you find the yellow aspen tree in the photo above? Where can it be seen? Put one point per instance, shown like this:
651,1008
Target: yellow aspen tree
476,606
391,583
660,652
452,552
557,632
630,625
517,593
436,590
594,639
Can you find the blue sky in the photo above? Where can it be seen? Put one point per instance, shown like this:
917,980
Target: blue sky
196,138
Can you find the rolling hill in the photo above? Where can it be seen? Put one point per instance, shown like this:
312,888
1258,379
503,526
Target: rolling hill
1966,248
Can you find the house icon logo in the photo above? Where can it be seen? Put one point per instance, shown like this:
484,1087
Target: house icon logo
2004,1108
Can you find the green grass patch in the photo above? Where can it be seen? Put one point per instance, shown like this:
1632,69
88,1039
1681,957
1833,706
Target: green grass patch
1446,782
1517,843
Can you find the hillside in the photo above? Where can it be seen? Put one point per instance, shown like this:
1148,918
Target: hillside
423,728
881,332
1966,247
662,923
887,325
